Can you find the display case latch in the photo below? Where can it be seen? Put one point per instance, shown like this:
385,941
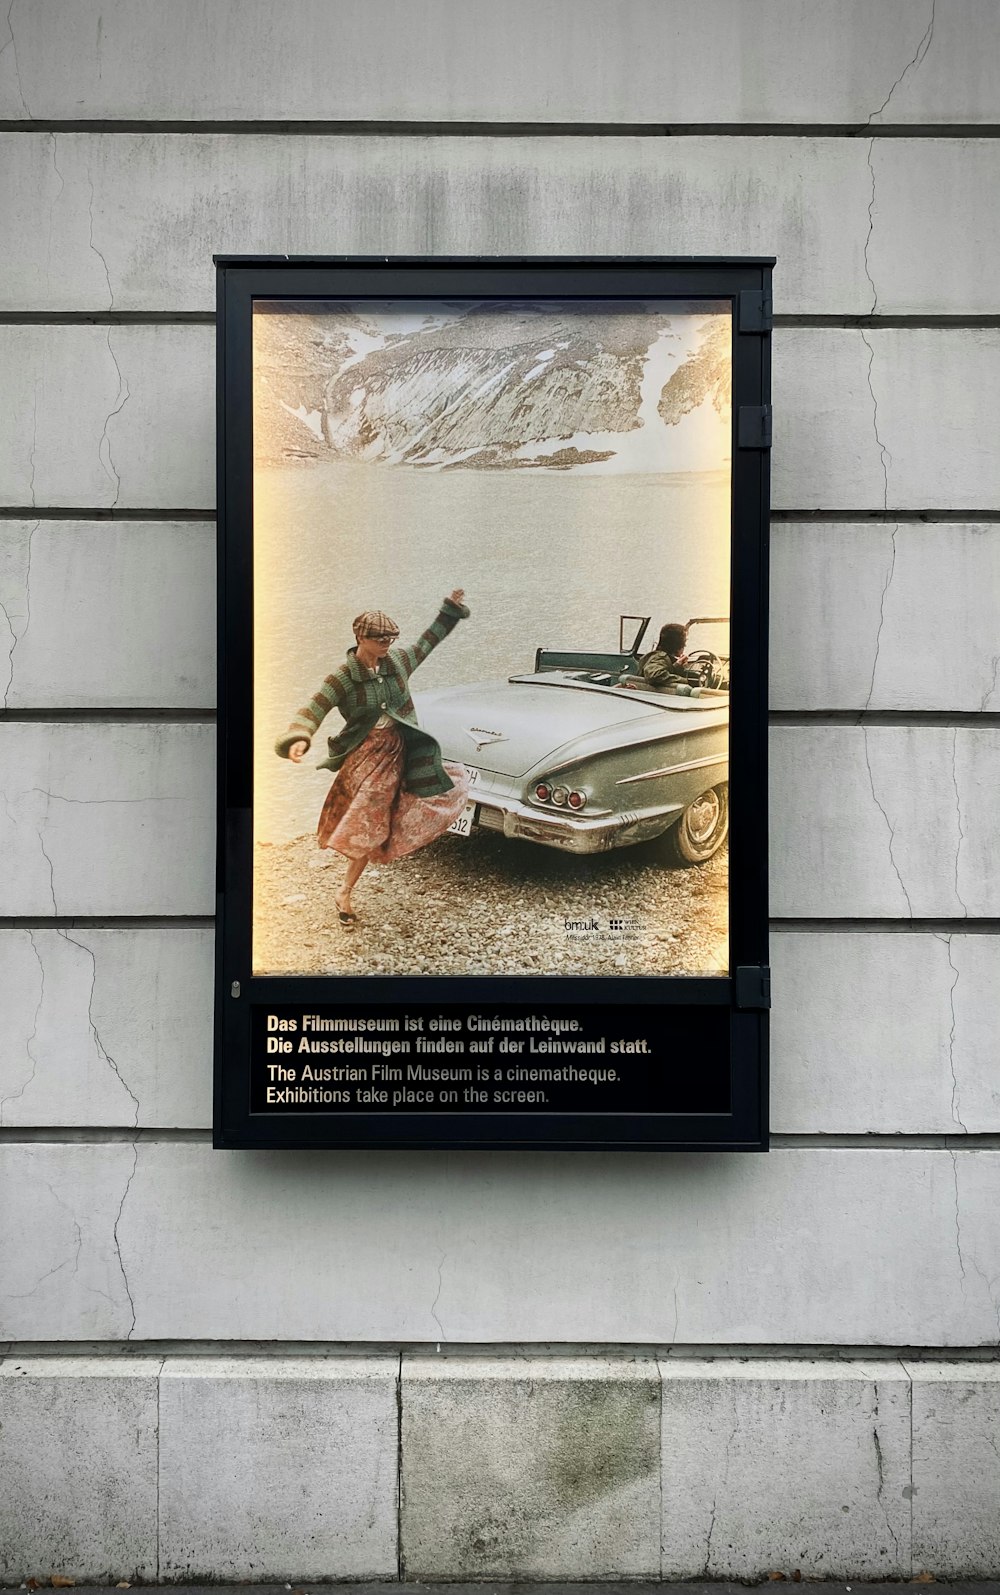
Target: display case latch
754,310
754,430
753,986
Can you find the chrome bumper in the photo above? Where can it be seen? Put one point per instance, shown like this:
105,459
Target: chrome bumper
579,834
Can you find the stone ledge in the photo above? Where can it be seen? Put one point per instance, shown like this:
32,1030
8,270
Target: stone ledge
513,1468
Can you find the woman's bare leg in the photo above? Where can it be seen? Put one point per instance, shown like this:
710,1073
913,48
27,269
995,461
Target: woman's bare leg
355,870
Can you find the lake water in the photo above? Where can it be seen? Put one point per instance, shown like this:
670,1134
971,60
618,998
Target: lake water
547,558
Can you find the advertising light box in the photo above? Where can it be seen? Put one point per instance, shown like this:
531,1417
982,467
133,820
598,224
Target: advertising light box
492,703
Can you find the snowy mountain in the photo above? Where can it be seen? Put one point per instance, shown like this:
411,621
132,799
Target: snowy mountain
485,386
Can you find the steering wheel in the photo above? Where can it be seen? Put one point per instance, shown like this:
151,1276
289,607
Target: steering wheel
713,670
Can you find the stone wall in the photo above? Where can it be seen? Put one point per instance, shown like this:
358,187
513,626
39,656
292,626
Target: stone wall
253,1366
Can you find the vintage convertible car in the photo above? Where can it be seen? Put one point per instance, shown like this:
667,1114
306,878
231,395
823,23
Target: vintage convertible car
582,755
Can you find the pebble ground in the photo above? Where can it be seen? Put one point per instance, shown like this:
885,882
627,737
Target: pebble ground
487,905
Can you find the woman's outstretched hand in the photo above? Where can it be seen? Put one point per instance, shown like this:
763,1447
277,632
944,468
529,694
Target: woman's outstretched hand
457,596
298,751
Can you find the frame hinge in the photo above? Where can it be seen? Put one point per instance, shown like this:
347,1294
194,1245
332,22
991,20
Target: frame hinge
754,310
752,986
754,426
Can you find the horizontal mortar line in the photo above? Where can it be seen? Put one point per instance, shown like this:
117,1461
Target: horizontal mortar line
929,1141
624,1351
102,1135
947,718
885,927
99,1135
845,320
928,517
442,128
86,512
109,318
58,922
118,716
988,719
831,517
849,321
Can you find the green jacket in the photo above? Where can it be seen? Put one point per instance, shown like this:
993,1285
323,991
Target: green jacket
362,699
661,670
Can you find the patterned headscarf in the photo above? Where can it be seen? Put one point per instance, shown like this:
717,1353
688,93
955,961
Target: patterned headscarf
374,623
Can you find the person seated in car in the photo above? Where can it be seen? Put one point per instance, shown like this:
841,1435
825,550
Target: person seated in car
666,668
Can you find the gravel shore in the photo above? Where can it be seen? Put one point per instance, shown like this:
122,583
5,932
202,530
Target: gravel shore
486,905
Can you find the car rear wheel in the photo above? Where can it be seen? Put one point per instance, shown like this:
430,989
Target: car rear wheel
700,831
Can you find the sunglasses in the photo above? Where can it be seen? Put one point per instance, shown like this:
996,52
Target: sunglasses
384,636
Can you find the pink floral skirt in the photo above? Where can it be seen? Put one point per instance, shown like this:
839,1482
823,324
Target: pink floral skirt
368,815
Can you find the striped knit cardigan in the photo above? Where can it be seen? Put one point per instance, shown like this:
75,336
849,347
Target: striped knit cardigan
362,699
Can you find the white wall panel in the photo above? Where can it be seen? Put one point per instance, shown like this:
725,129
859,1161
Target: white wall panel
111,819
686,61
884,1033
131,221
108,614
895,418
97,1019
884,822
925,204
816,1245
107,417
132,424
122,615
106,1027
884,617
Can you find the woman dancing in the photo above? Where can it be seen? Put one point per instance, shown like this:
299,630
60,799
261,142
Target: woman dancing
392,792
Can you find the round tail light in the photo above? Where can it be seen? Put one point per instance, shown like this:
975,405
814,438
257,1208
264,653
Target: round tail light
577,800
543,792
560,795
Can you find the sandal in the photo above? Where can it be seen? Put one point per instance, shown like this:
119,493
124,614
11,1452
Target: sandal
346,916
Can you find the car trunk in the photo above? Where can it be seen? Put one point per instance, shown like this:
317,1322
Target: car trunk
509,727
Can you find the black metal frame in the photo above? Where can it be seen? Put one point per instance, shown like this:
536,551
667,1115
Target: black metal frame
685,1002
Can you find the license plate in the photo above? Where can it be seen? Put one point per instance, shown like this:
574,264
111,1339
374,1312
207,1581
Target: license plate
462,826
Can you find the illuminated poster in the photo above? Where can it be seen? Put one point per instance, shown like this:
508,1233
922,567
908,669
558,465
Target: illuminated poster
483,587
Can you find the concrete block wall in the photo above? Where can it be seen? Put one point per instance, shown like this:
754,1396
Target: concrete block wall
245,1366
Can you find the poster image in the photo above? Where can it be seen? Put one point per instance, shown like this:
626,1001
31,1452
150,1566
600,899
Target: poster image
491,655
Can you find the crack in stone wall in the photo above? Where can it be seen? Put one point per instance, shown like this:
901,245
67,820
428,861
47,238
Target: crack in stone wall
94,249
720,1488
914,62
958,1221
955,1095
989,1281
880,1466
16,636
23,1295
117,1239
991,689
42,791
884,454
15,1096
11,45
885,590
434,1303
888,823
98,1043
104,445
